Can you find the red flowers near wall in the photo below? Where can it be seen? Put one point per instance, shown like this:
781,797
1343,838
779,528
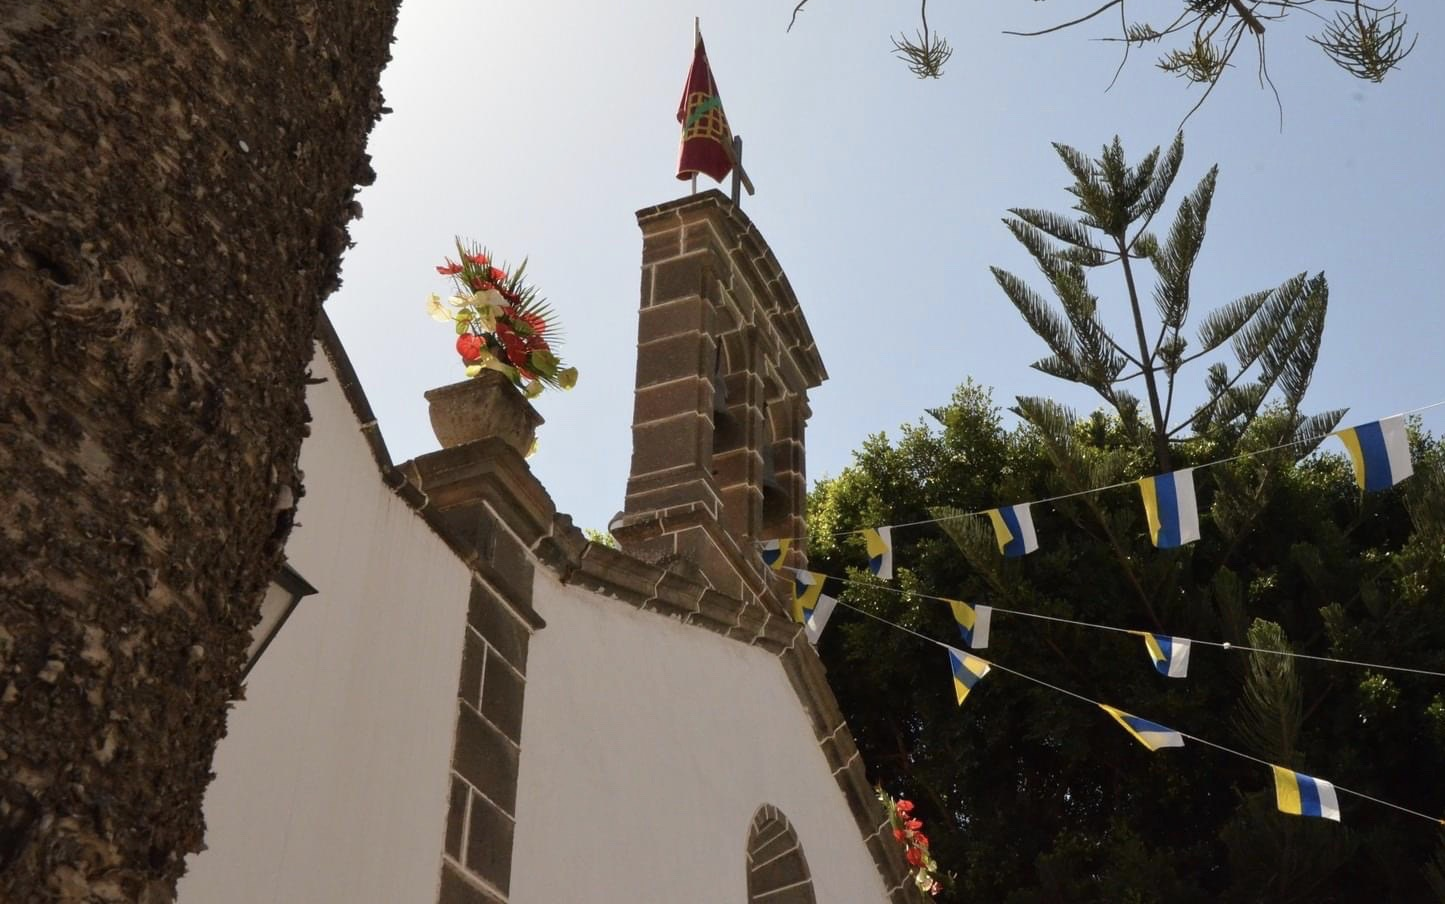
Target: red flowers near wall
909,833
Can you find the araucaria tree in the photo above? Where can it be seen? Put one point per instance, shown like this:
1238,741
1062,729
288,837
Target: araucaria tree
175,183
1274,334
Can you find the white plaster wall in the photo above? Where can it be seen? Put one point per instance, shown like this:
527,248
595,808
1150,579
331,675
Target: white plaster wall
647,746
331,785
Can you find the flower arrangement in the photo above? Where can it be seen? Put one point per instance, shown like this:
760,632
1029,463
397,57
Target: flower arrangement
909,833
502,323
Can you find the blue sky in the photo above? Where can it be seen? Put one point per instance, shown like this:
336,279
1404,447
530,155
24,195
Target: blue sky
539,128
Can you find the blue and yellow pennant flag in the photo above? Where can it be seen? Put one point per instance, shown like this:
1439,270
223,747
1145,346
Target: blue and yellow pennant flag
1303,795
811,606
1150,734
1171,509
1380,452
775,553
968,670
1170,655
972,622
1013,525
880,551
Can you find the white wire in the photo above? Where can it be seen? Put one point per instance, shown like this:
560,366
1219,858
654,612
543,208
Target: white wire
1077,696
1098,627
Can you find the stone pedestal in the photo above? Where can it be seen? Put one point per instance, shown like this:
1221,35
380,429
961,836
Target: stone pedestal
485,406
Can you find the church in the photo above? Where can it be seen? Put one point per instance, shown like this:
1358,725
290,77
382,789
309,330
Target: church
455,697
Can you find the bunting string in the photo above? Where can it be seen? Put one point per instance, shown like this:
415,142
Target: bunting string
1347,435
1225,645
1092,702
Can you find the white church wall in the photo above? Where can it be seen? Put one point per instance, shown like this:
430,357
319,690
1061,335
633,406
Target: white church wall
647,747
332,782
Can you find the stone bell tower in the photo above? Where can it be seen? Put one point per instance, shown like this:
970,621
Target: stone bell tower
724,364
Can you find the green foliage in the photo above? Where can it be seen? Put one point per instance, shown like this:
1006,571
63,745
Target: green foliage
1435,873
1031,796
1275,334
600,537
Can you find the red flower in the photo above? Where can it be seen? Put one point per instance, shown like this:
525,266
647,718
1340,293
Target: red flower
913,825
514,345
450,269
510,296
898,834
479,259
920,839
531,324
904,806
469,347
914,857
491,278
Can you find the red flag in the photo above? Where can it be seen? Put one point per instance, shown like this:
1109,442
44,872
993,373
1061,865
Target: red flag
707,142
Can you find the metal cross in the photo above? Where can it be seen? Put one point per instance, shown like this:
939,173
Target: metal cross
740,175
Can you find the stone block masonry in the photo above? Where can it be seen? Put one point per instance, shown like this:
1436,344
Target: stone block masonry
482,499
725,362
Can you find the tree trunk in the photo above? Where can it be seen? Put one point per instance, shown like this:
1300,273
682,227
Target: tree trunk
175,180
1161,429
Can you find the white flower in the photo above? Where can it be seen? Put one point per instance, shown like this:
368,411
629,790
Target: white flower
435,309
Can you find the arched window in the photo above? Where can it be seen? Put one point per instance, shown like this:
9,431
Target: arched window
777,870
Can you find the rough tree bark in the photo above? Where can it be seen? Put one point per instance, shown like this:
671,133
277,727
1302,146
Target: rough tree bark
175,180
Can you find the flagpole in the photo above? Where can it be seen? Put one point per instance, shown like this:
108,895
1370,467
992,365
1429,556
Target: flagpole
696,37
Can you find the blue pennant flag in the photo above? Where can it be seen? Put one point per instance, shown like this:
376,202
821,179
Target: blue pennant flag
880,551
1170,655
968,670
1380,452
811,606
775,552
1170,507
1150,734
972,622
1304,795
1013,525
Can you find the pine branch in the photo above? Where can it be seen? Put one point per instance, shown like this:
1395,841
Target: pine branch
1062,25
1175,260
1096,352
1045,323
1062,228
1093,196
1256,335
1296,348
1271,710
1152,198
1224,322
